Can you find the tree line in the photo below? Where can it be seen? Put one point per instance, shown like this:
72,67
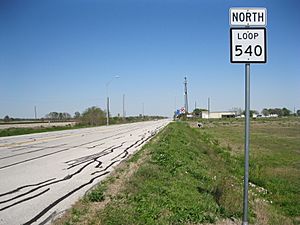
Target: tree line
279,112
95,116
266,112
58,116
92,116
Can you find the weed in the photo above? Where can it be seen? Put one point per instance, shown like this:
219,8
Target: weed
96,194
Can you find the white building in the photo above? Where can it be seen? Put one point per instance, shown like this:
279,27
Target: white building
218,115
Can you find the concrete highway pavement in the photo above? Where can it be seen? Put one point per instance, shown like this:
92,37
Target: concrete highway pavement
42,175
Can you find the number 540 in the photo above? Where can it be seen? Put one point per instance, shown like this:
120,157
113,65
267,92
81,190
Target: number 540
257,50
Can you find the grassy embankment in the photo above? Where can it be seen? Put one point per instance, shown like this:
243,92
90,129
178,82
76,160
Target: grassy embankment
194,176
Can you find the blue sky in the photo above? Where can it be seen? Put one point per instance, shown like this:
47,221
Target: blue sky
59,54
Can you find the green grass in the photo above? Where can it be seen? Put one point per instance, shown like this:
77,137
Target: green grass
195,176
185,180
96,195
274,158
21,131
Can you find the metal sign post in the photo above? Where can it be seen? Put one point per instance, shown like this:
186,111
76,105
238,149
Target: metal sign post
247,142
247,45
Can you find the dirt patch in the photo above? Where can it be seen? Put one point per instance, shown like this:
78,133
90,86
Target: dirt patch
228,222
262,214
222,222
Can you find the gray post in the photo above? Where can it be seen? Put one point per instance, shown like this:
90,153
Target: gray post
247,137
35,115
208,106
186,104
123,106
107,103
107,111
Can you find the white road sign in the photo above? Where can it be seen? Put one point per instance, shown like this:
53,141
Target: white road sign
248,45
248,16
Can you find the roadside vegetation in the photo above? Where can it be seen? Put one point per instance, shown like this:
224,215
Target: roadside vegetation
187,175
41,129
91,117
274,158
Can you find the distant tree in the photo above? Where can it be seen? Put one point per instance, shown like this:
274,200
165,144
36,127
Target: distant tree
298,112
280,112
251,112
265,112
198,112
6,118
67,116
275,111
76,115
93,116
52,115
58,116
285,112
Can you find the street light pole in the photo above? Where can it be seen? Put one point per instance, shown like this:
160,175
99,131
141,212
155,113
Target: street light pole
107,111
123,106
107,100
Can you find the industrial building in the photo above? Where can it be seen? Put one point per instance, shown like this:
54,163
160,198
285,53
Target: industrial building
218,115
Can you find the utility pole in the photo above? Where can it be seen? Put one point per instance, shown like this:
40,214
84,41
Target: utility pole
186,96
35,115
195,104
208,106
107,109
107,100
123,106
143,109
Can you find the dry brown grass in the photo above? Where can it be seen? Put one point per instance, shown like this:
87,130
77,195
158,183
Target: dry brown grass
222,222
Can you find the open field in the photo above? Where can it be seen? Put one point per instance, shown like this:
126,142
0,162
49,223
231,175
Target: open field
274,157
195,176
